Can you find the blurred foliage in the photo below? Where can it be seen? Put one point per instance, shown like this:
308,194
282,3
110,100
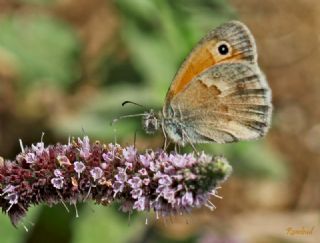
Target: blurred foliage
106,224
44,43
253,159
44,49
44,2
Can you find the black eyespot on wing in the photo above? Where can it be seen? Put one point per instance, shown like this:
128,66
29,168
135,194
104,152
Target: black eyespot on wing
223,49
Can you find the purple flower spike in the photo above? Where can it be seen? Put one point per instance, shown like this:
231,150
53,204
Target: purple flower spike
154,180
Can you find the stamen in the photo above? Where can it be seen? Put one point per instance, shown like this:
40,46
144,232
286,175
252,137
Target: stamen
115,138
210,207
215,195
63,203
7,211
42,135
76,209
65,206
25,227
21,145
88,194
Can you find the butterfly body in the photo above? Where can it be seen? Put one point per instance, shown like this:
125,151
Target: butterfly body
219,94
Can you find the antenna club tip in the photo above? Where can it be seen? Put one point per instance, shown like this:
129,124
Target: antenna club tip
124,103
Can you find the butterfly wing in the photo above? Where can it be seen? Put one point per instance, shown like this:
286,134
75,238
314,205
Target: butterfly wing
234,35
219,94
226,103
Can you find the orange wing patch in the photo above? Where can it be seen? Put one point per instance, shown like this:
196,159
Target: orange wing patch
199,60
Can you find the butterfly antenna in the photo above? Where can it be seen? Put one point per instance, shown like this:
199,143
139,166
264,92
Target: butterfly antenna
126,116
134,103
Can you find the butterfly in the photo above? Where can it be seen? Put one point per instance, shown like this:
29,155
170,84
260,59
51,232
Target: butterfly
219,94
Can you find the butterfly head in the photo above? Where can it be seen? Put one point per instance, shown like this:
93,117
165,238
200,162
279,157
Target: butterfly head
151,122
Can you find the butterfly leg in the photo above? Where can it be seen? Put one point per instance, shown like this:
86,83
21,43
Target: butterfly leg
135,138
166,147
189,140
177,148
115,135
165,144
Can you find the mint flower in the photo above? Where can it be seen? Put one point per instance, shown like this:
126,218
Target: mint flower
57,182
57,173
96,173
30,158
79,167
167,183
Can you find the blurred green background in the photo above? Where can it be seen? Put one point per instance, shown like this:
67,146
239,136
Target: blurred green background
67,65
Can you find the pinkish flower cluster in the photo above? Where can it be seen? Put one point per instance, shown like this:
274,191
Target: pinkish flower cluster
166,183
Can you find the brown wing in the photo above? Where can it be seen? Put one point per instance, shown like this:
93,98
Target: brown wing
226,103
234,35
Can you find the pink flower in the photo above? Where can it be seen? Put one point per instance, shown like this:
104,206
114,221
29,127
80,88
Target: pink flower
38,148
79,167
108,157
30,158
187,199
135,182
96,173
165,180
57,173
136,193
57,182
121,176
139,205
129,153
85,147
146,159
